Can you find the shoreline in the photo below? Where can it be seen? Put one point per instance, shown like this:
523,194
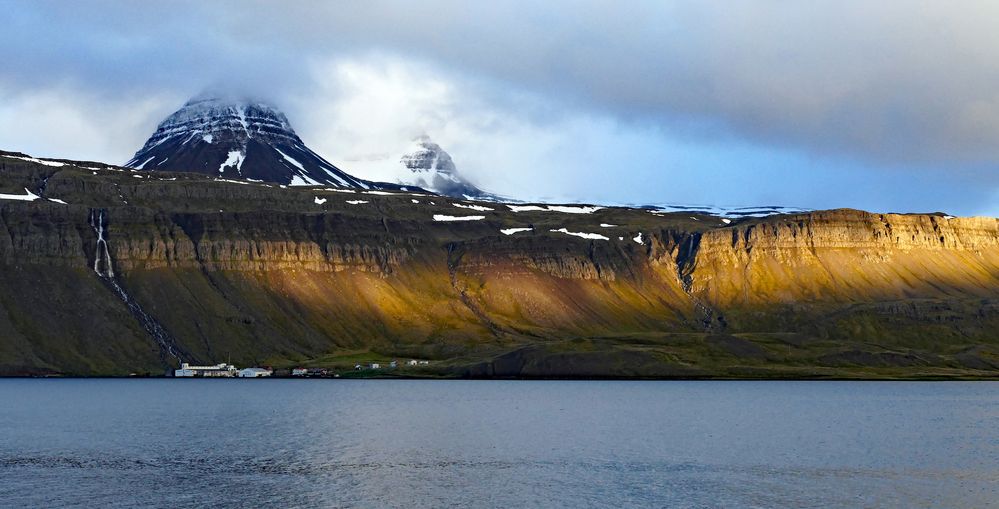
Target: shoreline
537,379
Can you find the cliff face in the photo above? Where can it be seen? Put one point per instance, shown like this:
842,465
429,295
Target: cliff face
846,255
128,272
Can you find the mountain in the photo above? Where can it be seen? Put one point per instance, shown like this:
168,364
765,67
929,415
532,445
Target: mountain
424,164
109,270
239,139
431,168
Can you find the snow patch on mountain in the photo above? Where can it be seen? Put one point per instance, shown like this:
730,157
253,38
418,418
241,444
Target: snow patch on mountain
290,159
591,236
445,217
139,167
29,196
234,160
511,231
566,209
303,180
39,161
480,208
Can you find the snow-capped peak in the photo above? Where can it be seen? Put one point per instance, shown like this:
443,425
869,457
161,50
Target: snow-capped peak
432,168
425,156
222,119
235,137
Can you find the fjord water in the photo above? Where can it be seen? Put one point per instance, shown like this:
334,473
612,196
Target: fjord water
382,443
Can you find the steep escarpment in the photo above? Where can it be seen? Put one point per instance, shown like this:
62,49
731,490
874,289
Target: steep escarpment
847,255
111,271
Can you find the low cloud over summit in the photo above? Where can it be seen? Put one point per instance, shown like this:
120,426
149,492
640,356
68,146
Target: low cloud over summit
822,104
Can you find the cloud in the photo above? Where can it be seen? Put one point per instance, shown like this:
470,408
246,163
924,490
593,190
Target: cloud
888,81
895,81
67,123
681,97
372,106
365,112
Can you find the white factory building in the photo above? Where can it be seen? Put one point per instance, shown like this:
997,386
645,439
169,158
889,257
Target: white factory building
218,370
254,372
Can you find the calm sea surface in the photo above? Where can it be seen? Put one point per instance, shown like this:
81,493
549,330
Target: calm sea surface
332,443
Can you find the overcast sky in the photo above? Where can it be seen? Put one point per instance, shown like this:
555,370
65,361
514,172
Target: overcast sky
885,106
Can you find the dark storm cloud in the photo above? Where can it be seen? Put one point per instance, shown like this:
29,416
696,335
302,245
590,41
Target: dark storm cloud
115,48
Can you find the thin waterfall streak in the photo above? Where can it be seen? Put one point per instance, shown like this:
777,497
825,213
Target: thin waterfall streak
102,251
106,272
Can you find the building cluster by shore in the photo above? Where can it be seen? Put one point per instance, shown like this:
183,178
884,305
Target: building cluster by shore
225,370
222,370
391,364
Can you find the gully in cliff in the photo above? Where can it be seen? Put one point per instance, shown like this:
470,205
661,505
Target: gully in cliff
170,352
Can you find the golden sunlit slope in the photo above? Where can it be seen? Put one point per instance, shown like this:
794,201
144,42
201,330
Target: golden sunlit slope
847,255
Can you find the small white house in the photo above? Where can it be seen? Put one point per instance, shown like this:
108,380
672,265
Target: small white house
375,365
411,362
299,372
254,372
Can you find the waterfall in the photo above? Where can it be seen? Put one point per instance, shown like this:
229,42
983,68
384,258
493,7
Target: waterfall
98,222
169,349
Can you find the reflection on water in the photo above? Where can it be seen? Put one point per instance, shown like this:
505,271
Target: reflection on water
498,444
